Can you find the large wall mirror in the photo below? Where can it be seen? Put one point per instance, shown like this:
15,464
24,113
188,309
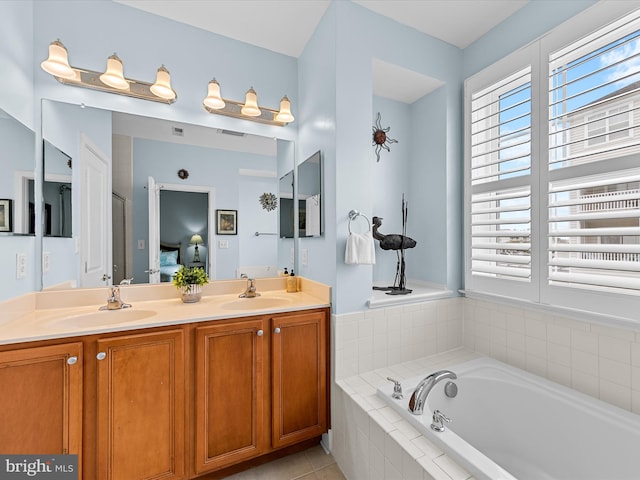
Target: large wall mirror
144,196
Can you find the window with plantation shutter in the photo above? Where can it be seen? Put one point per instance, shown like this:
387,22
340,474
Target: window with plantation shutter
500,179
594,211
552,168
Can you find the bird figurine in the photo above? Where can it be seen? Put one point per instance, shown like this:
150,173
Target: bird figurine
394,241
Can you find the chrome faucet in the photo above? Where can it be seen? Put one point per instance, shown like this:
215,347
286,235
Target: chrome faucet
250,292
126,281
113,300
419,397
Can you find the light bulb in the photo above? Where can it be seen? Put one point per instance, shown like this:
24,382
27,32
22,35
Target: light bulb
250,107
284,115
114,76
162,87
214,99
57,64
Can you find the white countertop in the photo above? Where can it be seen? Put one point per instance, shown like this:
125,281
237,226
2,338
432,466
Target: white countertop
79,314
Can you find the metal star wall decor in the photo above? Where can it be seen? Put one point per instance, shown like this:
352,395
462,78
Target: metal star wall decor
268,201
380,138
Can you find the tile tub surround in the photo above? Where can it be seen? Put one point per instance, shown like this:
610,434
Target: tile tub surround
601,361
364,341
371,441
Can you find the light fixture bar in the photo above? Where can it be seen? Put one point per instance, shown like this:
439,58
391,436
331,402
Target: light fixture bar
111,81
233,109
91,79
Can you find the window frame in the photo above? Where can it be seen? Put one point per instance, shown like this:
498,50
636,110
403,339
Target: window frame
537,54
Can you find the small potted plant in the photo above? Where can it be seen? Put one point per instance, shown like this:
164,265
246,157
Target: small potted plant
189,281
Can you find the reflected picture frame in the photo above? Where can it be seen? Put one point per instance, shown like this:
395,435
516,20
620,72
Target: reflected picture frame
6,215
227,222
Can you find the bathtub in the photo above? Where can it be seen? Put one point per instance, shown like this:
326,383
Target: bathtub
509,424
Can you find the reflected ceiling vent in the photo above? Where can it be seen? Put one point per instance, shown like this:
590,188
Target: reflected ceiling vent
178,132
231,132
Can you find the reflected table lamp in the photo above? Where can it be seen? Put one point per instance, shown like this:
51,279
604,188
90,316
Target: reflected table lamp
195,240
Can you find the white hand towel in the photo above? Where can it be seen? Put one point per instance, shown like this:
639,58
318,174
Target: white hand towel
360,249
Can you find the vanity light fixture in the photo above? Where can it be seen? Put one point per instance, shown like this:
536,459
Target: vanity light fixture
112,80
249,110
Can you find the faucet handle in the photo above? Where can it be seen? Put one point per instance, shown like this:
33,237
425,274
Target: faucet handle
397,388
437,419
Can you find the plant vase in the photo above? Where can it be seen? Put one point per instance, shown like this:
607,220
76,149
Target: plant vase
191,293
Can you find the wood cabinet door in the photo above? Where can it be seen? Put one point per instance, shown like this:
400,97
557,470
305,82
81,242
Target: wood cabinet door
41,400
299,377
141,410
229,412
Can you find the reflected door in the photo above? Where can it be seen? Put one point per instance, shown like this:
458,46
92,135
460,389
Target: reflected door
95,226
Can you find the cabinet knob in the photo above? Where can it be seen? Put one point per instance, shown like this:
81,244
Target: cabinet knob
101,356
72,360
276,330
260,333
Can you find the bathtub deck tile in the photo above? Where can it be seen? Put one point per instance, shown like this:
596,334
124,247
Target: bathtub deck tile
385,424
451,468
407,430
362,402
405,443
433,470
390,415
375,401
429,449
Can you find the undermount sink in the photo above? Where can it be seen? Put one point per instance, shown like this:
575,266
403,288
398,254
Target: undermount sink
103,318
257,303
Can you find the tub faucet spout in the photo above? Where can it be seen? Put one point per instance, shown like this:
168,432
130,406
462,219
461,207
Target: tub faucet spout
419,397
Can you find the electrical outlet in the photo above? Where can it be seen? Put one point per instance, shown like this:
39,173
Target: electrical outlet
141,244
46,261
304,257
21,265
223,243
292,256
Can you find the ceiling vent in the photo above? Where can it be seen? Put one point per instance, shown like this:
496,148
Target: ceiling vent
231,132
178,132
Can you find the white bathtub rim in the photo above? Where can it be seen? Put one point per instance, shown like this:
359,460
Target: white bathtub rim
465,454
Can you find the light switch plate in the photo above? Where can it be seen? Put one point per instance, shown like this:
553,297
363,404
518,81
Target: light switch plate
223,243
46,261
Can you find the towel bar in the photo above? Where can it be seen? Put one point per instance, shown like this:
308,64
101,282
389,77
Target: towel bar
353,214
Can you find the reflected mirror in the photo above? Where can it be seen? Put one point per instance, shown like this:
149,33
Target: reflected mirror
56,192
309,198
17,205
145,193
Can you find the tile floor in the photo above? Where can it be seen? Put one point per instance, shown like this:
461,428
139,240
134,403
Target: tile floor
310,464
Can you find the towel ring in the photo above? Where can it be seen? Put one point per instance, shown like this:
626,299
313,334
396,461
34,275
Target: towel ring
353,214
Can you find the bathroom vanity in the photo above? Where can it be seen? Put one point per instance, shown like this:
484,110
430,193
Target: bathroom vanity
180,393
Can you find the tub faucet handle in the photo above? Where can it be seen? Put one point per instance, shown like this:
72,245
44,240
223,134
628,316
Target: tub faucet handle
397,388
438,418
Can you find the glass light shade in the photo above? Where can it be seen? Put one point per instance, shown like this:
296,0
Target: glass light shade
114,76
196,239
284,115
162,87
214,99
250,107
57,64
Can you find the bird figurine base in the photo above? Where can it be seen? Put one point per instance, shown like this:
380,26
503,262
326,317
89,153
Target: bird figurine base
394,290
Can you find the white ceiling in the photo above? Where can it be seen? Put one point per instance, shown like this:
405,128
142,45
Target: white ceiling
285,26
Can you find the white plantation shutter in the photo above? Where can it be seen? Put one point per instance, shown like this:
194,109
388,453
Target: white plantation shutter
593,194
500,170
552,168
